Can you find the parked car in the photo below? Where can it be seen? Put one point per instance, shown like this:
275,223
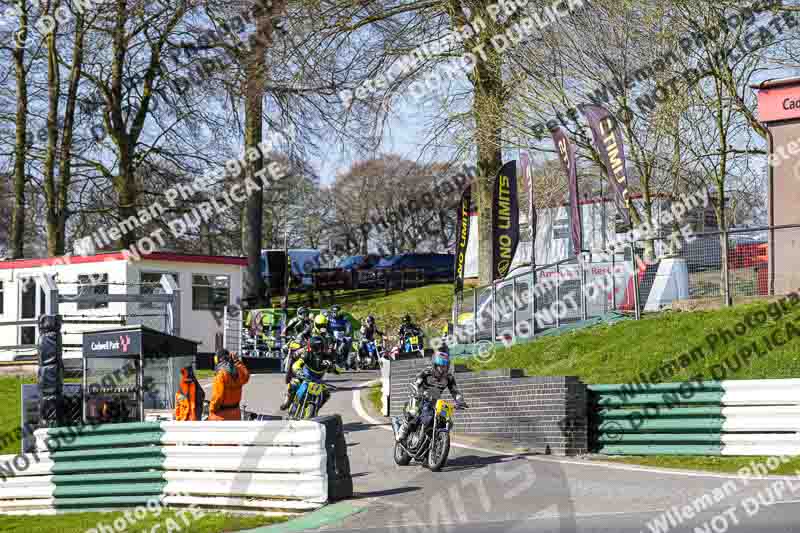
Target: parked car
433,267
347,274
373,277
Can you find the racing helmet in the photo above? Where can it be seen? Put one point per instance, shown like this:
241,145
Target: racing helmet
407,319
336,311
441,364
321,323
302,312
370,320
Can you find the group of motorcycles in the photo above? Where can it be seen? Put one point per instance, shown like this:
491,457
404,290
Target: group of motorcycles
349,355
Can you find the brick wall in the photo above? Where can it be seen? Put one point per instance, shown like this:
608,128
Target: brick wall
546,414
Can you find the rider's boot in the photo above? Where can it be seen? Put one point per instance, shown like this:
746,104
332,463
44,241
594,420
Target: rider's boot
402,433
287,400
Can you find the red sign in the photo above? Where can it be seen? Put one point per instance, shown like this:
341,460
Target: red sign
780,103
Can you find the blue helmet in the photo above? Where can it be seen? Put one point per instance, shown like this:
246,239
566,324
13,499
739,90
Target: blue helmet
441,359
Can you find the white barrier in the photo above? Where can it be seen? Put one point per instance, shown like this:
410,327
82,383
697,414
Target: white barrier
28,486
277,467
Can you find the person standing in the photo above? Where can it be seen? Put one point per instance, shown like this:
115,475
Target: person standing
226,392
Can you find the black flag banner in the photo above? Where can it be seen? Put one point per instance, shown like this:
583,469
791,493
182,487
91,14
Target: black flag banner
609,143
462,226
566,153
505,220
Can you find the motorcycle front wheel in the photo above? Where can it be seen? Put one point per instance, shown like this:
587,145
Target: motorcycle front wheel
440,448
400,456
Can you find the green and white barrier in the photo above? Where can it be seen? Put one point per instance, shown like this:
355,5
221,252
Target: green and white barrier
275,466
735,417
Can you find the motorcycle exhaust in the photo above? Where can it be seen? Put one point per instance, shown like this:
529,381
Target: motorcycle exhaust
395,425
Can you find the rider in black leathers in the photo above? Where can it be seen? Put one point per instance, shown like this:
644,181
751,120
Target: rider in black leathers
429,385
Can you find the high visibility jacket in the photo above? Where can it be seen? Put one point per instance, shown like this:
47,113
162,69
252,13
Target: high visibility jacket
189,398
226,392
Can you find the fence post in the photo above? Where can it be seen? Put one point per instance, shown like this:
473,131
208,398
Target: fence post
613,281
726,276
514,310
494,312
558,295
584,311
636,305
474,315
532,298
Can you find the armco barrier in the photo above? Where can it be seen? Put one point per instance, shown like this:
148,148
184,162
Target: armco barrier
504,404
736,417
276,466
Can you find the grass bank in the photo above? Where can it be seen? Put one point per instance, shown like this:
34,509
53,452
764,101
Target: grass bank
168,521
619,353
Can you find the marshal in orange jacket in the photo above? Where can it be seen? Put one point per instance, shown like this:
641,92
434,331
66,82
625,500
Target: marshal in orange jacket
226,392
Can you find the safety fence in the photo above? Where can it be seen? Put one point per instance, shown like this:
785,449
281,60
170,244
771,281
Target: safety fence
731,417
277,466
695,270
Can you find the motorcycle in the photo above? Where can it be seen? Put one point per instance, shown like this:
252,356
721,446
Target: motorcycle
290,348
371,355
429,442
342,347
307,400
412,344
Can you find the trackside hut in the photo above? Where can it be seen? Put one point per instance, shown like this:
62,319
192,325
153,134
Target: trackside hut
206,284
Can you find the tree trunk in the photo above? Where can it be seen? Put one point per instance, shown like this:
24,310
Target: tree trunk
486,108
54,95
65,168
364,239
20,179
254,290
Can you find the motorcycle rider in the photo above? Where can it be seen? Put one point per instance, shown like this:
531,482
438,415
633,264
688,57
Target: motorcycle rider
299,324
318,328
298,328
339,322
429,385
311,366
407,328
368,332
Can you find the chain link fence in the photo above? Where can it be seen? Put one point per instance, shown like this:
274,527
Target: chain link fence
697,271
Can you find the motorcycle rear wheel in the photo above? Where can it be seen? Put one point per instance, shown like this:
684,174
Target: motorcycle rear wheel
440,449
400,456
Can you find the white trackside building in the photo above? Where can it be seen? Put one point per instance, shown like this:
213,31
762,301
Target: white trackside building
205,285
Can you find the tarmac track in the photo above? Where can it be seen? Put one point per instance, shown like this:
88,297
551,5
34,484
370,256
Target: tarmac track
481,490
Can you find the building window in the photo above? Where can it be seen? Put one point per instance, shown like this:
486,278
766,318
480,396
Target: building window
92,285
210,291
151,284
561,229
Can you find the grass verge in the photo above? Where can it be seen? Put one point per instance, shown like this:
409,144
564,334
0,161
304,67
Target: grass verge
10,411
726,465
619,353
168,520
375,396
